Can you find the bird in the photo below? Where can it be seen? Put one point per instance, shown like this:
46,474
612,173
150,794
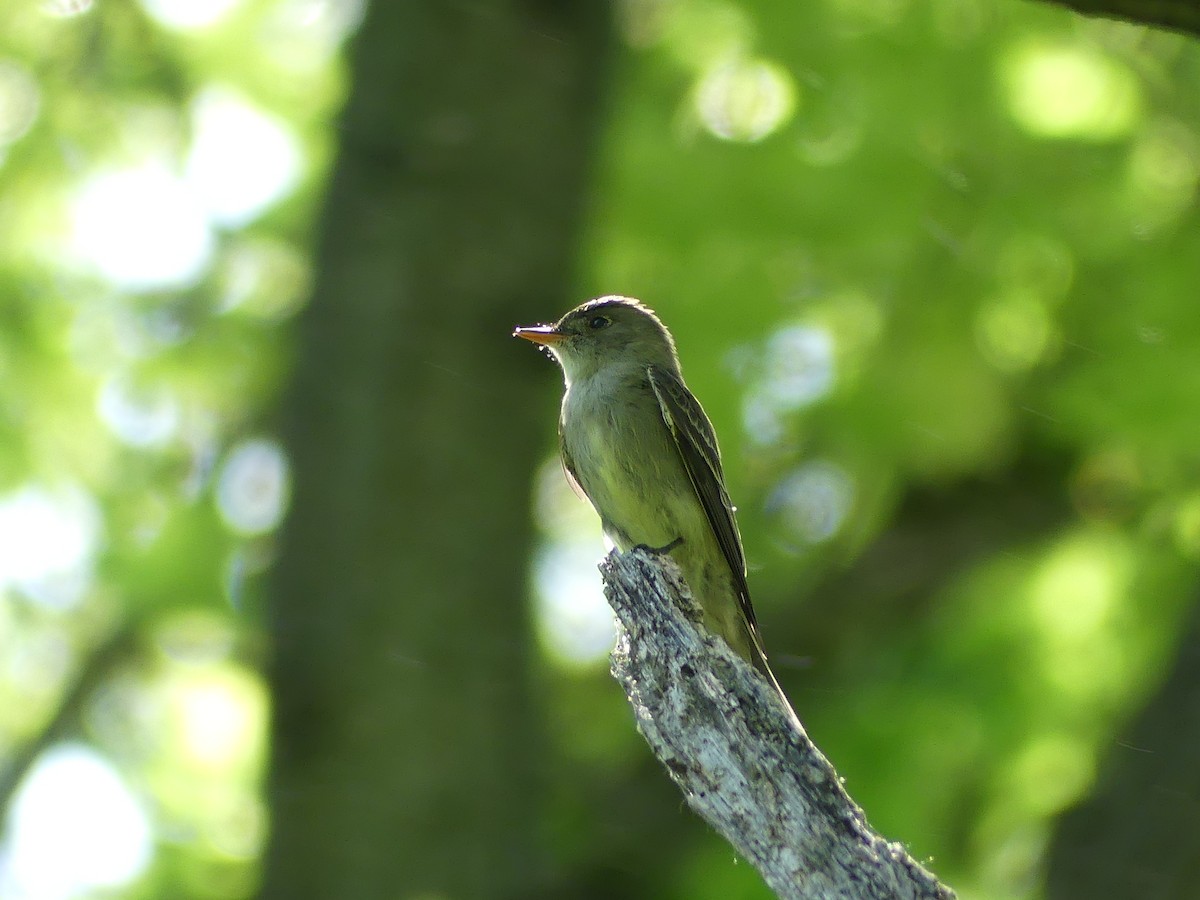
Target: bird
637,444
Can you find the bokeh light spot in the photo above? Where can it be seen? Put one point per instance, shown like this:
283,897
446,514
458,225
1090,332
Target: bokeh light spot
189,14
141,228
47,541
745,100
1076,590
1164,169
1165,159
254,487
575,621
1069,91
74,828
263,278
796,369
140,417
66,9
1050,772
1187,526
19,101
242,160
1013,332
811,503
219,716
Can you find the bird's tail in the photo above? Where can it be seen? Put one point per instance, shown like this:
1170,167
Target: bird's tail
758,658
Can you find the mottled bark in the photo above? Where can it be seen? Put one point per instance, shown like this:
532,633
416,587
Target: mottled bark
738,756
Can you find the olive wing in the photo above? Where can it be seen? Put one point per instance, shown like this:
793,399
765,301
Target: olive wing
697,444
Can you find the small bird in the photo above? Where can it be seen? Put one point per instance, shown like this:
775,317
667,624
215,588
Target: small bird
637,443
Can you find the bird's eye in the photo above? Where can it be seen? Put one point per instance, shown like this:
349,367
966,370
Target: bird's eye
597,322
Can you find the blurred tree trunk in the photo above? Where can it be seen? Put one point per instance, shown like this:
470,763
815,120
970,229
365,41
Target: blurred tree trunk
405,750
1137,837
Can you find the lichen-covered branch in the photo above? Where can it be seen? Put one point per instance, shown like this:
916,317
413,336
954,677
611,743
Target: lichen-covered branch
739,758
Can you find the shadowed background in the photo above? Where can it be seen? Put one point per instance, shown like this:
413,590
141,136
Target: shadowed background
294,599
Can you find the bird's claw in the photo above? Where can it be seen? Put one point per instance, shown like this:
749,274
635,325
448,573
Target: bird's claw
660,551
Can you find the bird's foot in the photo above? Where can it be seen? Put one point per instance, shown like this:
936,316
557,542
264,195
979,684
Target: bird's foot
660,551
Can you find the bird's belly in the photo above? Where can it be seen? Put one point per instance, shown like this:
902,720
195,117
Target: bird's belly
647,499
637,488
651,518
672,515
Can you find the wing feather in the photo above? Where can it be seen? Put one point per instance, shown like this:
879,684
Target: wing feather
568,464
697,444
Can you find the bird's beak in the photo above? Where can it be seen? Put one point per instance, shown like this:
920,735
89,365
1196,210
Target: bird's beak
545,335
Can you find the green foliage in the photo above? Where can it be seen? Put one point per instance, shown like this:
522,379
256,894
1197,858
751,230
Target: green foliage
931,267
131,558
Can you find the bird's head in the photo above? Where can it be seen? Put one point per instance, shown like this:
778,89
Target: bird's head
603,333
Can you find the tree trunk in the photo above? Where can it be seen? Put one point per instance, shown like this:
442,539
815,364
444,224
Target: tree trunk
1137,837
405,750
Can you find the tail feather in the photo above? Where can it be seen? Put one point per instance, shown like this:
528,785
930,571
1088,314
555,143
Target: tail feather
758,658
